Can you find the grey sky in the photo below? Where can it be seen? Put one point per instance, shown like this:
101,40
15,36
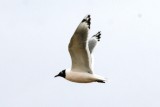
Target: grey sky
34,37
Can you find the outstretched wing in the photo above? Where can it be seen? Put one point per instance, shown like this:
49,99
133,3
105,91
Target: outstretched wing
93,41
78,47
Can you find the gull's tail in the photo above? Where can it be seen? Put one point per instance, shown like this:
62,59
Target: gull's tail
100,81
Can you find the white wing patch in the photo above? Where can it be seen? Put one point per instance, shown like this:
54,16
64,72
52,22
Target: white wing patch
93,41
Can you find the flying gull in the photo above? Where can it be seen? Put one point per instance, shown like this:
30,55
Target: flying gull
81,49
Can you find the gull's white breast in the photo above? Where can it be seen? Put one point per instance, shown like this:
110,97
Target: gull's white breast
82,77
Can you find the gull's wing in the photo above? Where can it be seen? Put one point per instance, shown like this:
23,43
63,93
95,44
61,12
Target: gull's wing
78,47
92,44
93,41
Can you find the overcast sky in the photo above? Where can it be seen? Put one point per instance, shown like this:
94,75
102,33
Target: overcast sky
34,36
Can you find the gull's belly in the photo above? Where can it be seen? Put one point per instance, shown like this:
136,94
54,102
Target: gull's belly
80,77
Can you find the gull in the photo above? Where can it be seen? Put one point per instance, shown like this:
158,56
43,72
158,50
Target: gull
81,49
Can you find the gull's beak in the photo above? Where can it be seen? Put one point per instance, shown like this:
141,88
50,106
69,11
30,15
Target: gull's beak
56,76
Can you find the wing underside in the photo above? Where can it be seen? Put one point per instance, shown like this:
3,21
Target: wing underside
78,47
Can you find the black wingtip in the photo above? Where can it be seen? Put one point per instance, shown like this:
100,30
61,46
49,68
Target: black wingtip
98,36
87,19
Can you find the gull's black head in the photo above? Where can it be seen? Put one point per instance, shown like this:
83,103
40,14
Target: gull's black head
61,74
